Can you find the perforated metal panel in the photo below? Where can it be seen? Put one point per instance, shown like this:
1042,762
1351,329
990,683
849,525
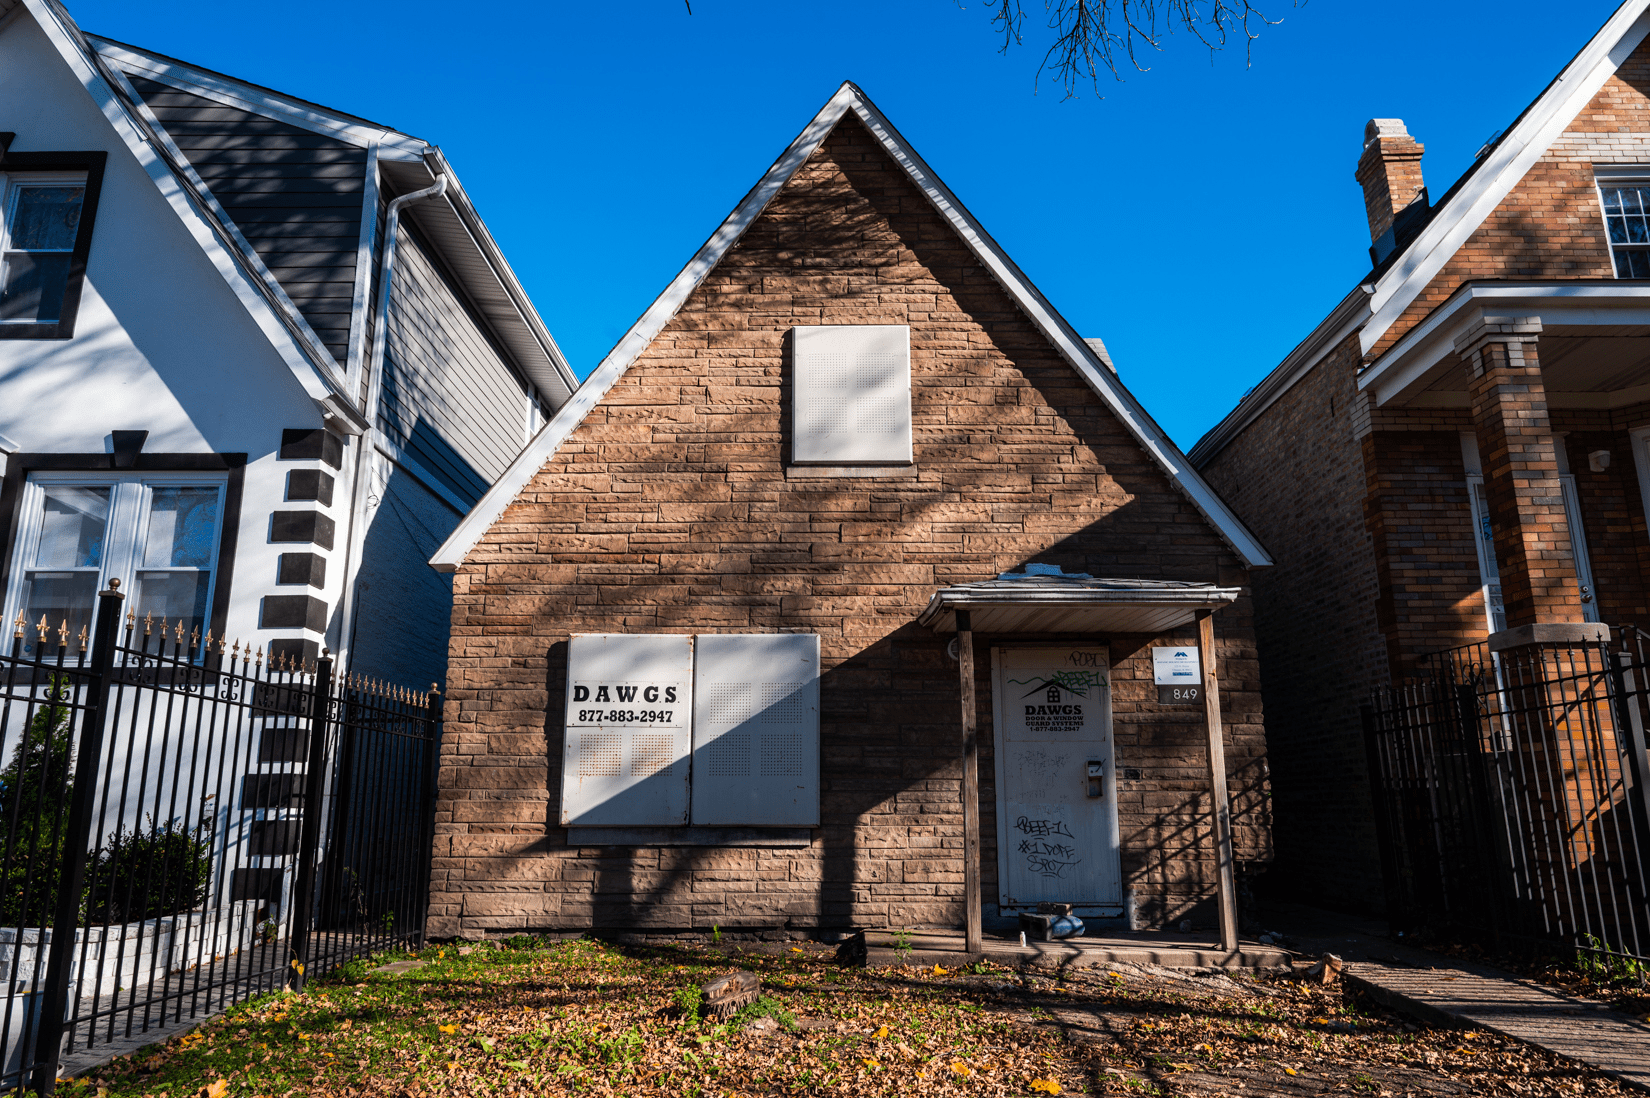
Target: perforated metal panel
629,707
756,730
852,397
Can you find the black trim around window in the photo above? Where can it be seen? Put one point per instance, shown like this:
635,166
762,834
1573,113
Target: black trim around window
92,164
19,466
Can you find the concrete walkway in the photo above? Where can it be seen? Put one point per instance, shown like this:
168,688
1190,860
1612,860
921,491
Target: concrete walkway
1444,991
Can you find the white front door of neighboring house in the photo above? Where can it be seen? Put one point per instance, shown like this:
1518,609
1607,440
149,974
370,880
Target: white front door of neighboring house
1056,786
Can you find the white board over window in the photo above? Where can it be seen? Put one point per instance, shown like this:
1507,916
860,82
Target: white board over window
626,752
756,730
852,394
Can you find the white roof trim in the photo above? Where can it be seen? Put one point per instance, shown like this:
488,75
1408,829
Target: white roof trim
311,375
1054,328
1424,346
1491,181
1342,320
235,93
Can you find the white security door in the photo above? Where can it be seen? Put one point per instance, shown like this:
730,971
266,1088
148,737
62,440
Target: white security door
1056,790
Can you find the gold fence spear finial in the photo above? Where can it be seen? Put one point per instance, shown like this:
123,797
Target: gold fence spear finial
19,625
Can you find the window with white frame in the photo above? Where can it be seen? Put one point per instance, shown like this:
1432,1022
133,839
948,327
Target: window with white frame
851,394
158,533
39,227
1626,205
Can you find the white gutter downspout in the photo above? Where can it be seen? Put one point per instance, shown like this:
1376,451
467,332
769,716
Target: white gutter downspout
364,444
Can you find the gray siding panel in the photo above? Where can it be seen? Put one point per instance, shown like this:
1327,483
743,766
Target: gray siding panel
449,397
403,607
295,195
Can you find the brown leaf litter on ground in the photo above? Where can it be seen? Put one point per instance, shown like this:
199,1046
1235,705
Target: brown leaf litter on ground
588,1018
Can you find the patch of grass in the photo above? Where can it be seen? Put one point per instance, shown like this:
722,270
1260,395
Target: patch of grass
765,1006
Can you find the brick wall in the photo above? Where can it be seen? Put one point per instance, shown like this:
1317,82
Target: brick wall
670,509
1296,476
1420,524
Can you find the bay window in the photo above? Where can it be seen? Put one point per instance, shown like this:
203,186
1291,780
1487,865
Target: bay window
158,533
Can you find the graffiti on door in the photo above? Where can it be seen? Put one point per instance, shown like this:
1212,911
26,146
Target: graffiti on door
1049,847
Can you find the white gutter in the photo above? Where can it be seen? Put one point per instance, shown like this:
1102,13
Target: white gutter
357,533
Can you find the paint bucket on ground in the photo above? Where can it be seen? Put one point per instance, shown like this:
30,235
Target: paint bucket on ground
1066,926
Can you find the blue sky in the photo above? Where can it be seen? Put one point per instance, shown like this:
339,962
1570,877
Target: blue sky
1201,218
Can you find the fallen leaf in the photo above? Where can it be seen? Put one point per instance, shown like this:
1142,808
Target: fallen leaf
870,1063
217,1089
794,949
448,1029
882,1031
1290,1071
957,1066
938,971
1047,1086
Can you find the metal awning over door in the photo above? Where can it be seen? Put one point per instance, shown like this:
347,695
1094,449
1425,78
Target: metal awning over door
1046,600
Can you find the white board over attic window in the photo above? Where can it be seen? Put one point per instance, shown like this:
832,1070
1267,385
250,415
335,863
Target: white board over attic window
756,730
852,395
626,752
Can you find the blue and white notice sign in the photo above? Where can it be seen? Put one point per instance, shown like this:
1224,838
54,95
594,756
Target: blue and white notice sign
1178,674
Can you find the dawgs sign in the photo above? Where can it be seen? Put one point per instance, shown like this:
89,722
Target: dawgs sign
629,727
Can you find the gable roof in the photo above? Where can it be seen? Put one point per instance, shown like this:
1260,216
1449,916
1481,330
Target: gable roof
1383,296
1477,194
292,338
110,71
1050,323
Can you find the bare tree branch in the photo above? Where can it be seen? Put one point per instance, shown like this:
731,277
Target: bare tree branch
1096,35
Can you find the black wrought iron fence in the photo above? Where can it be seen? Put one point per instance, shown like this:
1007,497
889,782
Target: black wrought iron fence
187,824
1510,796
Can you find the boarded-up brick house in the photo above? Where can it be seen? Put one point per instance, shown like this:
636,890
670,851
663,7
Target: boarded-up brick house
1459,449
705,666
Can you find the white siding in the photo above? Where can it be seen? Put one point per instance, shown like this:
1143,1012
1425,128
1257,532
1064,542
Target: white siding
756,730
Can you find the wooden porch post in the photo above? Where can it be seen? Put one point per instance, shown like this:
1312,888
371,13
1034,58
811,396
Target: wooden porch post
973,938
1226,889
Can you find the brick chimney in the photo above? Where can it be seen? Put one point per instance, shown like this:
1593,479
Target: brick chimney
1390,171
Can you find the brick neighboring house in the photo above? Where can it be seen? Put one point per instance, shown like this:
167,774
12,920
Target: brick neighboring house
784,493
1459,448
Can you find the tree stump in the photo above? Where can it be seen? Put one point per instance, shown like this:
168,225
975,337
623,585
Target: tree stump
726,994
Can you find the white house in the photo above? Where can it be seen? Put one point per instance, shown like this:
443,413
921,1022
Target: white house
257,356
